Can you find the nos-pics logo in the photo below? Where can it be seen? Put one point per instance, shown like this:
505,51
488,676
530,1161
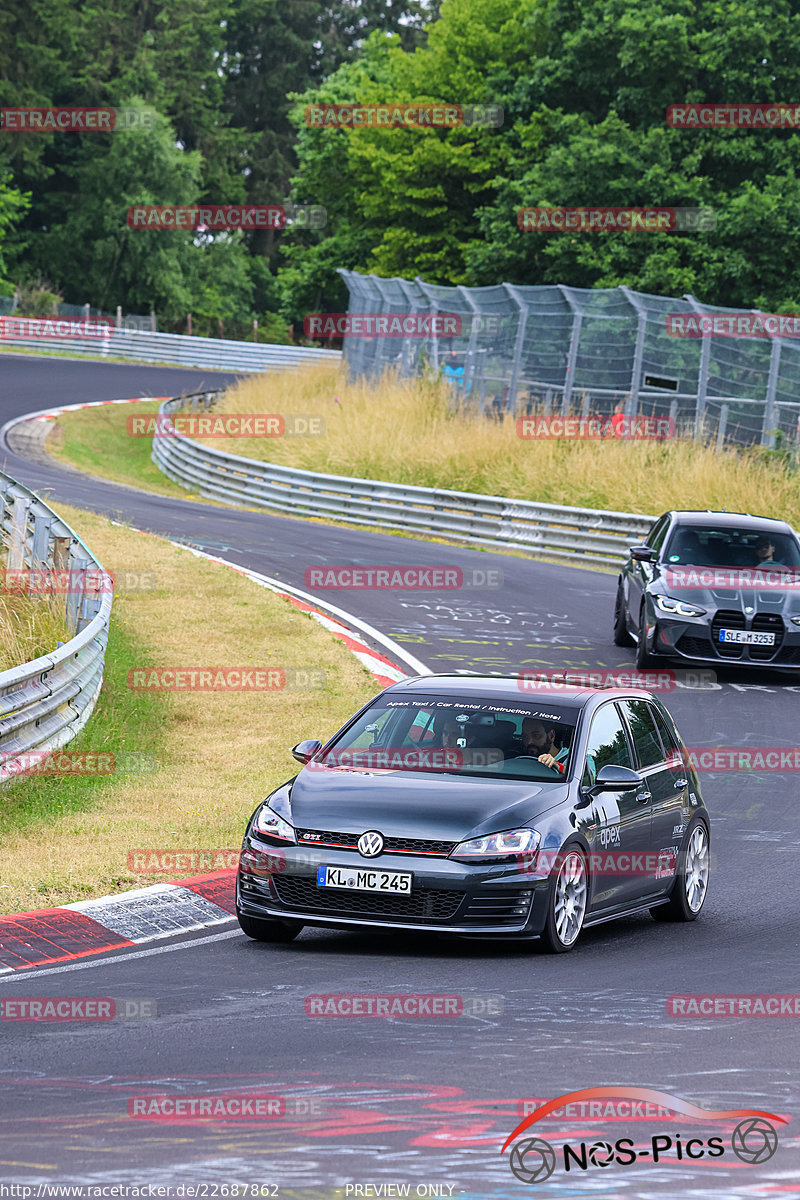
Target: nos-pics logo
533,1160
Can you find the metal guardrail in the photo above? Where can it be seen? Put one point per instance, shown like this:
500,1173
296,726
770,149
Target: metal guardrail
46,702
179,350
578,535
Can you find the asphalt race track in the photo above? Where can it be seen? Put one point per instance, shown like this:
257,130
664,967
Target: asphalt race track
422,1102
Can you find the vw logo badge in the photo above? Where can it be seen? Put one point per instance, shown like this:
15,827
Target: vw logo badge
370,844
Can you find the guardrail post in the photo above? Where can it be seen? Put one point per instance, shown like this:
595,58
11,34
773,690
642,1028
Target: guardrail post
41,539
19,532
75,591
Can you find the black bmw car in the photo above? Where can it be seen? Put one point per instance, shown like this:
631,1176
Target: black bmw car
467,805
712,587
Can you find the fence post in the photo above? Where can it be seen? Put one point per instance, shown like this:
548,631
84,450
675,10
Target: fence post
702,370
770,410
632,405
673,417
572,353
722,426
519,341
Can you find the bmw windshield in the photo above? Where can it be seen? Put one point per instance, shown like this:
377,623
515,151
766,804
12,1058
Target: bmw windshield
450,735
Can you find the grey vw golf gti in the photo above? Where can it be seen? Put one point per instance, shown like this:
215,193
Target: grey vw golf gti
484,806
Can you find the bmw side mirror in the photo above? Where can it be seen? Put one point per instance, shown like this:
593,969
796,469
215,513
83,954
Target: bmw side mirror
643,553
304,751
614,779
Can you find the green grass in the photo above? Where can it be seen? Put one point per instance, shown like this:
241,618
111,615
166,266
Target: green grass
124,722
95,440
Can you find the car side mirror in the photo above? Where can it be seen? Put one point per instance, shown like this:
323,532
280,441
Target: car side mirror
304,751
614,779
643,553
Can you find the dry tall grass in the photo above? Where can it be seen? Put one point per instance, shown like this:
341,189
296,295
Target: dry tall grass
409,431
30,626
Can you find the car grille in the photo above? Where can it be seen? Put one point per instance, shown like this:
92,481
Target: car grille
761,623
767,623
727,619
502,907
392,845
429,904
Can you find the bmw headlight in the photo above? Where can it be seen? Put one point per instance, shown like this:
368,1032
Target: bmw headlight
679,608
796,620
508,844
274,827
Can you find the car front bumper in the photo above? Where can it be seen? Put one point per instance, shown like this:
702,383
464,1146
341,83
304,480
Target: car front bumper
696,641
446,896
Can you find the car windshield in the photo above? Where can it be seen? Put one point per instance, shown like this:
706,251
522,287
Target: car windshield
477,736
722,546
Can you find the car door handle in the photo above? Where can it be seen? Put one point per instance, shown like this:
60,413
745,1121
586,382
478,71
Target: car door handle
643,797
680,784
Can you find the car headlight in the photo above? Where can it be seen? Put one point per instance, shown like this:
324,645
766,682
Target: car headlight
678,608
270,825
508,844
795,620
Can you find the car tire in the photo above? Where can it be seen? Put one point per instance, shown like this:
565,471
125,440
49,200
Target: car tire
621,635
643,659
688,893
268,931
569,880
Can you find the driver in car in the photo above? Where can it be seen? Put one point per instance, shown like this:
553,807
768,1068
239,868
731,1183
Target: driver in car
539,741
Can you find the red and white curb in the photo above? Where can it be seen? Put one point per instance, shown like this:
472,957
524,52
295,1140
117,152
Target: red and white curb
71,931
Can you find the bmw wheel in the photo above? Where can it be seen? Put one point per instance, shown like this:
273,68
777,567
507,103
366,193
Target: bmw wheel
621,635
567,902
689,890
643,659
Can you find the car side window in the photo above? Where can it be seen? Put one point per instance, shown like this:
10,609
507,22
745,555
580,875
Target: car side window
671,746
641,722
608,743
655,537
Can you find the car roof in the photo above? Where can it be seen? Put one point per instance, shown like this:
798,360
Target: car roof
698,516
510,688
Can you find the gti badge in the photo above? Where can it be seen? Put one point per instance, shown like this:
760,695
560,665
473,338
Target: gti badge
370,844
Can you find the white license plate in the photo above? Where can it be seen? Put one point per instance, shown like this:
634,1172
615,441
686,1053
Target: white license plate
746,638
358,879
